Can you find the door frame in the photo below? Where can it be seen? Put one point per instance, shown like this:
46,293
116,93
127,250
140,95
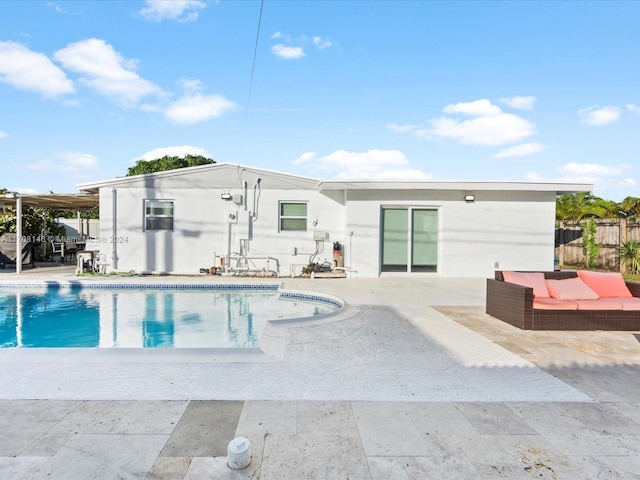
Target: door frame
409,209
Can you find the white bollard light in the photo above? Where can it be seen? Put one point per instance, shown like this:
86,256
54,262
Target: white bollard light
239,453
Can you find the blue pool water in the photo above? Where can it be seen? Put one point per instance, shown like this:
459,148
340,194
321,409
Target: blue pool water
149,318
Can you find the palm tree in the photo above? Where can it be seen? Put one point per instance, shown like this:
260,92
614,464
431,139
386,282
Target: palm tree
578,206
630,207
630,255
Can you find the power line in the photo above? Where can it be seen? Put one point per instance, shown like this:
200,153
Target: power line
253,66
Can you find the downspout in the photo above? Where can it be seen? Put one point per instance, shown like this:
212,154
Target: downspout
227,264
18,234
114,228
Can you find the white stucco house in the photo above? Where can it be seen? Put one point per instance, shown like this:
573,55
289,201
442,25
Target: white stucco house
238,218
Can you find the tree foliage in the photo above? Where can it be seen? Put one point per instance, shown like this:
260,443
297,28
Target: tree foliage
167,163
36,222
580,206
590,247
630,255
630,207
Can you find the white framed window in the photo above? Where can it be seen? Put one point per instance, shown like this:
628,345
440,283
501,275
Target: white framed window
158,215
293,216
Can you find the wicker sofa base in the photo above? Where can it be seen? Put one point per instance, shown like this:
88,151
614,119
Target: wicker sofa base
514,304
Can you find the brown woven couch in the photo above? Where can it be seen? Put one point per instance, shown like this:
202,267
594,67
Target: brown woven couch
513,304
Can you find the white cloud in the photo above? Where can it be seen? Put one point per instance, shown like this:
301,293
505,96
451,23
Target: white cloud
604,177
180,151
500,129
106,71
599,116
281,36
288,53
179,10
591,171
3,134
57,7
305,158
23,190
489,125
151,107
286,50
321,43
68,161
635,109
534,177
474,109
521,150
372,164
197,108
29,70
190,85
521,103
401,128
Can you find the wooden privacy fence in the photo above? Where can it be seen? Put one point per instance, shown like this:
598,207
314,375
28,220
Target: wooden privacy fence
610,234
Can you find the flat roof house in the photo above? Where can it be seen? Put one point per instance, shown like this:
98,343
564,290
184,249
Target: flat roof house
242,219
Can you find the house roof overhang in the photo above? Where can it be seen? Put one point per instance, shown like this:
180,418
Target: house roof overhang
217,175
560,188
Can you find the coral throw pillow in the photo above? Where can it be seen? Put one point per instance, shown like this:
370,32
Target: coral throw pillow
570,289
534,280
605,284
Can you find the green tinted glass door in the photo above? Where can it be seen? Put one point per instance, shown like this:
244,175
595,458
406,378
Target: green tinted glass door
395,240
424,240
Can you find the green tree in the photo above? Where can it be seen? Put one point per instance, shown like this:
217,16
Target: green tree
630,207
167,163
578,206
36,222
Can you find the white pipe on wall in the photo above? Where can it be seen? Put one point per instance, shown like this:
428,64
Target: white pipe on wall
114,229
18,234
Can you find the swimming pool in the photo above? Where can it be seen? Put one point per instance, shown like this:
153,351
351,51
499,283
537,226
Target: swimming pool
148,316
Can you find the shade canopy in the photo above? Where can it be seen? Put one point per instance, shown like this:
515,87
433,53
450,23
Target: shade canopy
62,201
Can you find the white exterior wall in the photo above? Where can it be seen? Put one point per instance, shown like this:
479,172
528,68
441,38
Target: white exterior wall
201,230
514,229
508,226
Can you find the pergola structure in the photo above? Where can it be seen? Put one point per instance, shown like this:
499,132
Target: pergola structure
71,201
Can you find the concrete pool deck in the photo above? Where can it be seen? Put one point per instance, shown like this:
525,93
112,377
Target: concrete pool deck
412,380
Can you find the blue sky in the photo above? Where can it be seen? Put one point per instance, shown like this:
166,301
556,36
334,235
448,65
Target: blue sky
541,91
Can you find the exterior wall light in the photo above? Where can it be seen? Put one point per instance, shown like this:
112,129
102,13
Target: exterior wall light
469,198
226,196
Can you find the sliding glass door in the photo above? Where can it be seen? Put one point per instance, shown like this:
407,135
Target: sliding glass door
409,240
395,239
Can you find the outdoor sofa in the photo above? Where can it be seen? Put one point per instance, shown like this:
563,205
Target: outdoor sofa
564,300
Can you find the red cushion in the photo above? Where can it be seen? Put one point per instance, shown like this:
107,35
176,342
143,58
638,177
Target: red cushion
570,289
553,304
606,284
630,303
534,280
598,305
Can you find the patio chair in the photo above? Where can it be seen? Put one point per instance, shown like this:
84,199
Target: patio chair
70,250
57,248
100,263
